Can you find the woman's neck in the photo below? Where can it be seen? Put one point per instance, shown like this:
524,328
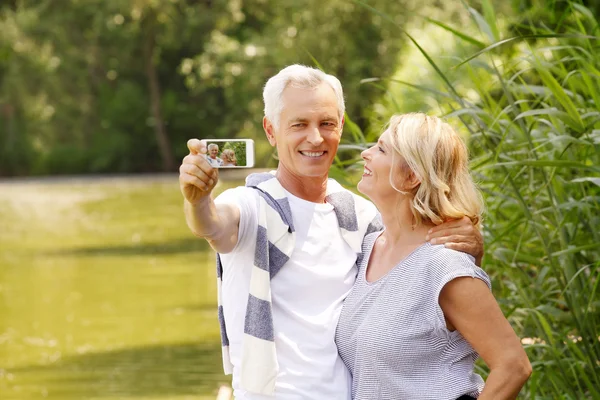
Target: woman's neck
401,228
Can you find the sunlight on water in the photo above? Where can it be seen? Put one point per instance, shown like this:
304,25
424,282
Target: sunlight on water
104,293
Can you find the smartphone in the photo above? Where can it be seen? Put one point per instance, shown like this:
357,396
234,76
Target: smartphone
230,153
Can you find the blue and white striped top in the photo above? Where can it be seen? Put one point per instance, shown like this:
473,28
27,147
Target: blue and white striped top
392,334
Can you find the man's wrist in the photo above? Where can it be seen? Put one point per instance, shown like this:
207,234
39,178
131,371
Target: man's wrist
199,215
202,202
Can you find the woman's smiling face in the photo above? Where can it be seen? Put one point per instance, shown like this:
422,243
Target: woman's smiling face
379,159
386,174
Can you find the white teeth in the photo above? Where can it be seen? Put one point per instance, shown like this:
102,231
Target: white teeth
312,154
367,172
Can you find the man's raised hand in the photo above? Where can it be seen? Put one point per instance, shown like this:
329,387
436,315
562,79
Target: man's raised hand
197,178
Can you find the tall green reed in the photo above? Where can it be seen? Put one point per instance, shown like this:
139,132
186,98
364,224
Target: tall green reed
535,147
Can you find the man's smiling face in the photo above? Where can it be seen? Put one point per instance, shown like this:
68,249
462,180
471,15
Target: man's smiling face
309,131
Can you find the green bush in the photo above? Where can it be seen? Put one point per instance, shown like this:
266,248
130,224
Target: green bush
533,114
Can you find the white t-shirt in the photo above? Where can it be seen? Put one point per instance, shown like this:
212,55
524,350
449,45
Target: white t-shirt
214,162
307,296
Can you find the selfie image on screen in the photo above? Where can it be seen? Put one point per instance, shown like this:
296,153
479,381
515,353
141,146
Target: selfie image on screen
227,154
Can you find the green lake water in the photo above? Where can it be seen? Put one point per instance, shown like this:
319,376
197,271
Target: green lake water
104,293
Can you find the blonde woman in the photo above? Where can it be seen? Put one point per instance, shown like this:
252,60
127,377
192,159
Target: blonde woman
420,314
228,157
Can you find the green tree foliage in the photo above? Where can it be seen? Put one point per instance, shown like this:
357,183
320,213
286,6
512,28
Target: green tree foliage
119,86
83,72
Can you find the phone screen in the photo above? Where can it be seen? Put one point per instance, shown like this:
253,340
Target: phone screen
230,153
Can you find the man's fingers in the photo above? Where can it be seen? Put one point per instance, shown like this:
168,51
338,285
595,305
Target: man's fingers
463,248
465,229
200,162
194,170
451,239
462,231
196,146
194,181
458,235
451,224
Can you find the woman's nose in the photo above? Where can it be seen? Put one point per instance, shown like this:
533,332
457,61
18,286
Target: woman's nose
365,154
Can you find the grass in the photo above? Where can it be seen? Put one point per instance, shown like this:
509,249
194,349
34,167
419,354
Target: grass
104,293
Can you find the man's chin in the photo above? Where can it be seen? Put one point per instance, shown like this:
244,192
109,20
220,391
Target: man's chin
314,172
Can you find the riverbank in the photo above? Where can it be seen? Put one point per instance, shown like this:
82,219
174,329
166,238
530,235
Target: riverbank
106,292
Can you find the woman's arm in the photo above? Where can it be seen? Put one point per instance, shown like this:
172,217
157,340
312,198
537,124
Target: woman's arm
470,307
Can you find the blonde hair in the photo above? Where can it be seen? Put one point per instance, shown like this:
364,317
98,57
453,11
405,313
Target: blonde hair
228,155
438,157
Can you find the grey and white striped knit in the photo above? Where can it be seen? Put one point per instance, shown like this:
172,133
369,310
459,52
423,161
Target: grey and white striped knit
275,241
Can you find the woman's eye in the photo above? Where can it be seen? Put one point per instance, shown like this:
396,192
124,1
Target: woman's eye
381,149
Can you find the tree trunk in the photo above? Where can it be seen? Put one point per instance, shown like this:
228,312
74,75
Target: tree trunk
162,138
6,111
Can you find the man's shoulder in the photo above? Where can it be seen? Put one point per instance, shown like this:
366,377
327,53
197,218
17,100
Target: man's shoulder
360,201
238,194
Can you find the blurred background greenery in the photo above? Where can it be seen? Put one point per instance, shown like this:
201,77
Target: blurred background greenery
103,291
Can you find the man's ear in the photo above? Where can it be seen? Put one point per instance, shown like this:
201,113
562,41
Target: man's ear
269,131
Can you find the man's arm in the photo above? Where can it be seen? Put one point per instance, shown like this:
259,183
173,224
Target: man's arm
217,223
459,235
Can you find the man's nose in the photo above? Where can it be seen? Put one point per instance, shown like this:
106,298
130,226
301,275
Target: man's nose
314,137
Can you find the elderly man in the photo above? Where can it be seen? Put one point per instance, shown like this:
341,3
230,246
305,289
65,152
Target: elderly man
212,156
288,244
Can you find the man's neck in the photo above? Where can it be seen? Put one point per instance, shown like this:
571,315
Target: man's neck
313,189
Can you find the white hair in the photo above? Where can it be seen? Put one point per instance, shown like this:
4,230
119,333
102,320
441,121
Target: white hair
212,146
299,76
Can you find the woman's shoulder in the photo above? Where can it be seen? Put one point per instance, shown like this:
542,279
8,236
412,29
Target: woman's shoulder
367,245
441,254
369,241
448,264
